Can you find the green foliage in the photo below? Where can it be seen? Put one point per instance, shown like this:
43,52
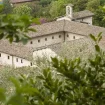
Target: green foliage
70,83
80,5
7,7
22,10
92,5
45,2
99,17
15,28
57,8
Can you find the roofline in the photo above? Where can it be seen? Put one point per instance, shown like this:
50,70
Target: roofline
46,34
15,55
83,17
20,2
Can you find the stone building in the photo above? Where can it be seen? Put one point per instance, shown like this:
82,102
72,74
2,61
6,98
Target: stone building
15,55
49,38
82,16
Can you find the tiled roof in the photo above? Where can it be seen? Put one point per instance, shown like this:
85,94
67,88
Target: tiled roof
19,1
79,15
16,50
82,14
47,28
68,26
83,47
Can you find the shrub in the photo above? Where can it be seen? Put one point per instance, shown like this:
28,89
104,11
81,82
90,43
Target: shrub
71,83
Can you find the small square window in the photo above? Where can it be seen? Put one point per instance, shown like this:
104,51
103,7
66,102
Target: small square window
67,35
80,50
16,59
59,36
45,39
38,41
21,61
73,37
31,42
8,57
31,63
52,37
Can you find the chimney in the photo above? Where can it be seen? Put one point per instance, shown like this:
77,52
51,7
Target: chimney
69,11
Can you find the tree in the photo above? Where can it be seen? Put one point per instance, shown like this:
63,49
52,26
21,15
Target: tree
93,5
57,8
7,7
22,10
99,17
45,2
102,2
71,82
80,5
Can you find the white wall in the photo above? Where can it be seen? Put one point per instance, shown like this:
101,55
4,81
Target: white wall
71,36
4,59
51,39
64,18
87,20
12,61
19,62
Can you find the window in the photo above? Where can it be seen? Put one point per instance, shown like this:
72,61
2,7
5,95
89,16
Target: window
0,54
31,42
52,37
67,35
59,36
21,61
45,39
80,50
73,37
38,41
31,63
16,59
8,57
